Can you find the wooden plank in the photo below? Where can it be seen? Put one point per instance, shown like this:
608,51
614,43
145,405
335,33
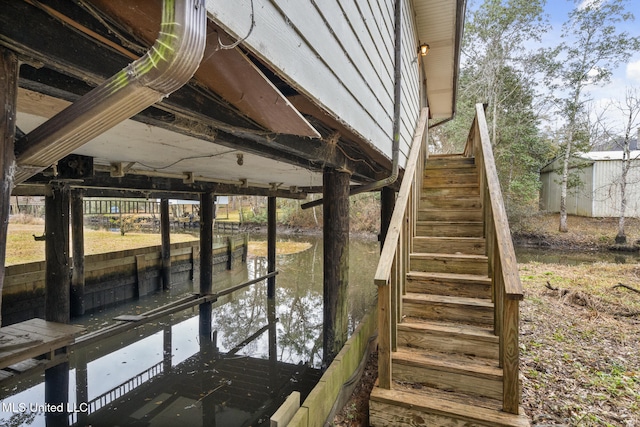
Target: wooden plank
130,318
420,408
448,244
449,284
449,309
511,357
449,229
450,263
287,410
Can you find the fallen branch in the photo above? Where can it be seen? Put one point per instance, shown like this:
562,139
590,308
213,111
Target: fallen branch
622,285
551,287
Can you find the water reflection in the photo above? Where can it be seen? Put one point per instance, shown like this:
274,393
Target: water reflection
162,374
549,256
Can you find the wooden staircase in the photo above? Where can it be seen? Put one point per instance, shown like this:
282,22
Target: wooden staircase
445,365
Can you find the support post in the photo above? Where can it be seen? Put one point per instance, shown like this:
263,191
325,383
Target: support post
387,204
77,236
165,230
336,261
56,226
206,262
271,246
8,99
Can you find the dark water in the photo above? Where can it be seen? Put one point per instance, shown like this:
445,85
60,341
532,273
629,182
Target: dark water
160,374
547,256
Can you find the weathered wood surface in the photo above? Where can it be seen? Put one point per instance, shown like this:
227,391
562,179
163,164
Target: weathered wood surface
56,227
448,244
336,262
44,336
9,70
77,236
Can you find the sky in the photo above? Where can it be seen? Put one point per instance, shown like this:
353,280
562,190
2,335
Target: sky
624,76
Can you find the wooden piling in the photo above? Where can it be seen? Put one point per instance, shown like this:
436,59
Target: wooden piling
336,261
271,246
387,204
206,261
165,230
56,225
77,236
8,99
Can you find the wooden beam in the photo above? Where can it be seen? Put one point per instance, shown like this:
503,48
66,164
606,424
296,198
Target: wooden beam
336,261
165,233
56,226
77,235
8,99
154,184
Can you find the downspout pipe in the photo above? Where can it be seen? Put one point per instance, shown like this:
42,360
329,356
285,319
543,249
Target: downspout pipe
397,109
167,66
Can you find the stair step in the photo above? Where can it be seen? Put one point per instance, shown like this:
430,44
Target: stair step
454,190
463,374
450,245
404,406
478,311
449,263
448,338
449,162
449,284
444,177
473,214
470,202
450,228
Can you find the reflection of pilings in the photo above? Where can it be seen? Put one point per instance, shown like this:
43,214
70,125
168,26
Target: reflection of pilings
271,246
252,337
166,347
56,393
82,384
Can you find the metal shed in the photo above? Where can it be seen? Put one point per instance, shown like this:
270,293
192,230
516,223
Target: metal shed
599,193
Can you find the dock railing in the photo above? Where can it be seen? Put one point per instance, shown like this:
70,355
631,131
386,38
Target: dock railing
503,267
394,259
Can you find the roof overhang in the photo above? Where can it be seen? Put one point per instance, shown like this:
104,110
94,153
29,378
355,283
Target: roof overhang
440,24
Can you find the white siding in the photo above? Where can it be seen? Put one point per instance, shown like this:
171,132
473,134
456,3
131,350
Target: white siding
339,53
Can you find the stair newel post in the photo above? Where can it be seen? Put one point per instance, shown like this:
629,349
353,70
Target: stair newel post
510,355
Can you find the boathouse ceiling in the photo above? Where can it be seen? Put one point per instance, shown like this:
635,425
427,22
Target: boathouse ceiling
248,121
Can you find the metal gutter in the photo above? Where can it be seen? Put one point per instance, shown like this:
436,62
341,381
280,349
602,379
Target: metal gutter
397,108
167,66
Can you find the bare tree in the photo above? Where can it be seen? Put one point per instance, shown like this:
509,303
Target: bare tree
596,46
630,109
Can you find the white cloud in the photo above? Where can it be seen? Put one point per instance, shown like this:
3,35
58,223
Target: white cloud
633,71
590,3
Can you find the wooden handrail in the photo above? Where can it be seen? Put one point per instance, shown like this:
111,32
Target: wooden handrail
397,245
513,286
383,271
503,267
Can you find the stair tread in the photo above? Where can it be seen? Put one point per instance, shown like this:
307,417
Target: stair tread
450,276
447,362
451,238
483,411
428,255
427,184
430,326
444,299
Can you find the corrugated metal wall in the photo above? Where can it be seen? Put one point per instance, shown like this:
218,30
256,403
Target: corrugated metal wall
600,194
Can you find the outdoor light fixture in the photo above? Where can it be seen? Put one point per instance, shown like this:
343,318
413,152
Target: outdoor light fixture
423,49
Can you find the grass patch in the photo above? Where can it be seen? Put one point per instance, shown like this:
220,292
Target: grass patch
22,248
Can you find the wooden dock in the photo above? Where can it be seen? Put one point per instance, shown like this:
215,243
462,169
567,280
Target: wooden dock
35,343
